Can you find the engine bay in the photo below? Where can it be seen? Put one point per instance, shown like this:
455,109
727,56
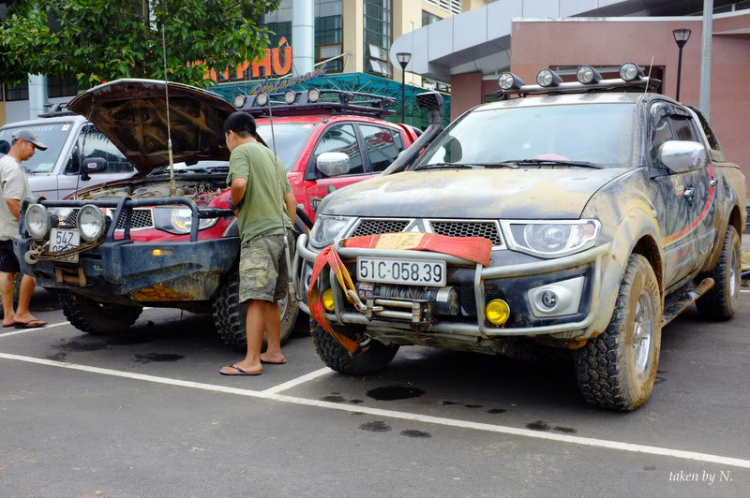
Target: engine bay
201,191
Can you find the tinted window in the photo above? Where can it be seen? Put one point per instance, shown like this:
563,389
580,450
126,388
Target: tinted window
94,143
662,133
381,148
682,129
341,138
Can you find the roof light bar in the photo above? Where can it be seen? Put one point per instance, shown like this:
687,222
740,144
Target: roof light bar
509,81
587,75
547,78
631,72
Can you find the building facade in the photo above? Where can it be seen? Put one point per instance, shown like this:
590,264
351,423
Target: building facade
354,36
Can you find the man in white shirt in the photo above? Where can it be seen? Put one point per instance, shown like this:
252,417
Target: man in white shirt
14,187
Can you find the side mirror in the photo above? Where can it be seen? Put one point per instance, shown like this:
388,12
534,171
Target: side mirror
92,165
333,163
680,157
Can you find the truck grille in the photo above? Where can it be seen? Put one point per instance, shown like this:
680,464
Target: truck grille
376,227
142,218
484,229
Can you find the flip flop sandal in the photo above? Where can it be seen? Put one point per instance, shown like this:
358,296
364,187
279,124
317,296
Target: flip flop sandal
240,372
31,324
273,362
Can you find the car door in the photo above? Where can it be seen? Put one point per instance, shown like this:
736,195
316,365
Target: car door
337,137
683,200
93,143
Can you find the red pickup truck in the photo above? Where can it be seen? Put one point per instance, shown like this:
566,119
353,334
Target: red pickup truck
178,248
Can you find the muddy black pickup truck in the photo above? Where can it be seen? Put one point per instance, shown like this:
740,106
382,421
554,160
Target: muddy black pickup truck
611,209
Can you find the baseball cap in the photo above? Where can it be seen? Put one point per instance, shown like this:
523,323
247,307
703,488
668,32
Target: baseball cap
29,136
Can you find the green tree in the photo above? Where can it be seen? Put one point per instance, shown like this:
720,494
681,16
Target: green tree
103,40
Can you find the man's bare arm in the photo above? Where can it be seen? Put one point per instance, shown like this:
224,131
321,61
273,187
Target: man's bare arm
291,206
239,185
15,207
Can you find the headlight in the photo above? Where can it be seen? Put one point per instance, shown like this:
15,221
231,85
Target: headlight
91,223
179,220
327,229
37,221
553,238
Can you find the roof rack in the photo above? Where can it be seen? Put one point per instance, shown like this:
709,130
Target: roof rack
57,110
574,87
314,101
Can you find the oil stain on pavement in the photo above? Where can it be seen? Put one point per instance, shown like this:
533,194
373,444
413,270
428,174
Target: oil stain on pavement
377,426
541,425
416,434
393,393
157,358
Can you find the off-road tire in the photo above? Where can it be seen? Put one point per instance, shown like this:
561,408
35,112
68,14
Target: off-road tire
377,356
16,293
720,302
97,318
230,315
606,366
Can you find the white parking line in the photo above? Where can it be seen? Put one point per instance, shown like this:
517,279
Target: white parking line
298,381
24,331
498,429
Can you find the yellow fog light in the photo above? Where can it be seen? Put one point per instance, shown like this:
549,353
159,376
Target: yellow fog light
328,303
497,312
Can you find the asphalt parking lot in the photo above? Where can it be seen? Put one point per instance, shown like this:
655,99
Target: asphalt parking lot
148,415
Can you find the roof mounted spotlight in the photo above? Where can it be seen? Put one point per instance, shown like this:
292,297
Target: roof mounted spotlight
509,81
290,96
239,100
631,72
587,75
547,78
262,99
313,95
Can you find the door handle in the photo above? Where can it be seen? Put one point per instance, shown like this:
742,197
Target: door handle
689,193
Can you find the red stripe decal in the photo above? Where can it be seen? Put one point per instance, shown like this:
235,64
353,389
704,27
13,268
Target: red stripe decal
703,214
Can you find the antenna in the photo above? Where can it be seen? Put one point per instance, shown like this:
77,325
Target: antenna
287,253
649,75
172,186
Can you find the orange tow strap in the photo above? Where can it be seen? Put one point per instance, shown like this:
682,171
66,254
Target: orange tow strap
474,249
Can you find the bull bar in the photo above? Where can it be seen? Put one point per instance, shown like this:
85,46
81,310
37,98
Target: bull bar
480,329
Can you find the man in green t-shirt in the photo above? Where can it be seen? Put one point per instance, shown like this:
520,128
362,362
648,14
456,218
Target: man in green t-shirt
265,207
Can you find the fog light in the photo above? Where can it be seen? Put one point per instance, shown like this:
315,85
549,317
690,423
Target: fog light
37,221
549,299
261,99
162,252
91,223
587,75
630,72
313,95
547,78
290,96
328,302
497,312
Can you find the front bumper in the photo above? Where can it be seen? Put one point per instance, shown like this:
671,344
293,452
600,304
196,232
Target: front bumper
121,270
589,262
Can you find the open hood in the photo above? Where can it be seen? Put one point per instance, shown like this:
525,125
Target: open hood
132,113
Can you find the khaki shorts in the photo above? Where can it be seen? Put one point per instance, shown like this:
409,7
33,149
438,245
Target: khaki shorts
263,272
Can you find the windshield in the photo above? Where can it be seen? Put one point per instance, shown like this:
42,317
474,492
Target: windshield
600,134
290,138
51,135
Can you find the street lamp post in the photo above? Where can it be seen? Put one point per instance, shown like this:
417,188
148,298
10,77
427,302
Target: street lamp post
681,36
403,60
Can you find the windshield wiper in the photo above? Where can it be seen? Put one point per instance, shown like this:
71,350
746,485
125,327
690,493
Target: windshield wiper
555,162
446,166
503,164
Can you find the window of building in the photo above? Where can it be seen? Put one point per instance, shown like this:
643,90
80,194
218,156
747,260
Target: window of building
329,33
62,87
452,6
378,37
17,92
280,22
429,18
